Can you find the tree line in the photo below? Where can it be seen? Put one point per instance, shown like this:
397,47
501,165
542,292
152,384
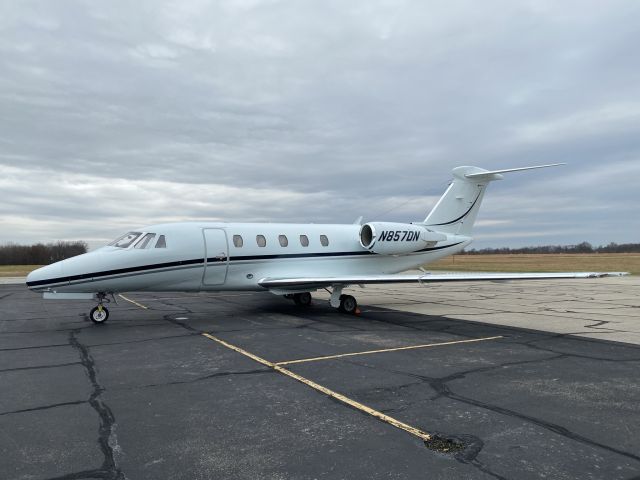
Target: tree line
584,247
40,253
44,254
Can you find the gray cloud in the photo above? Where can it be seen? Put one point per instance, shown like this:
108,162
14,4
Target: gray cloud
117,114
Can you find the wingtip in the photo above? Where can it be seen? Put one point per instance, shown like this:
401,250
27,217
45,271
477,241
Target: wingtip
608,274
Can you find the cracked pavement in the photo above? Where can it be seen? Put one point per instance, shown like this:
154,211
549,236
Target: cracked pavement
147,396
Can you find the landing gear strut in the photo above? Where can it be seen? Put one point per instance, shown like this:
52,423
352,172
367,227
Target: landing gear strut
100,314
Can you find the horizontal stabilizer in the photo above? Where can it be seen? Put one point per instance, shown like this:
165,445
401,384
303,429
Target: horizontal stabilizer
494,172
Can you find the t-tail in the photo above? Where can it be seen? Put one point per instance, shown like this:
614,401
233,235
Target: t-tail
457,209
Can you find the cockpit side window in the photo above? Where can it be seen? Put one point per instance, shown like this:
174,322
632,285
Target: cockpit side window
162,242
144,242
125,240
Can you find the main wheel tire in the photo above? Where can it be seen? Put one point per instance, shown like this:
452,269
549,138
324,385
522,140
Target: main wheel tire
99,314
303,299
340,309
348,304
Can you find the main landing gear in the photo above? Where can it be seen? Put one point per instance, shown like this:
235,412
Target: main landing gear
344,303
348,304
100,314
303,299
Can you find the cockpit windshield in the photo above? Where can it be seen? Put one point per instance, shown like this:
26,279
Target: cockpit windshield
125,240
140,240
144,241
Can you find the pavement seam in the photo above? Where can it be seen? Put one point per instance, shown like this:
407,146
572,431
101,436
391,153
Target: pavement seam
33,347
440,386
38,367
45,407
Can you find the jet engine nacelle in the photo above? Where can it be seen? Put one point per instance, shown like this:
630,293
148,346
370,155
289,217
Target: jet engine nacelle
397,238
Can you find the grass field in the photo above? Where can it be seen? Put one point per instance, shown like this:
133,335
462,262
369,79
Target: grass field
575,262
592,262
16,270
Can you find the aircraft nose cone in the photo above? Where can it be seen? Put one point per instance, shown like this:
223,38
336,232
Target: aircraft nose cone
36,278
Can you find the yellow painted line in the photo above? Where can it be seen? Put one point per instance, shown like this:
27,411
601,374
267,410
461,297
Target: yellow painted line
240,350
338,396
369,352
132,301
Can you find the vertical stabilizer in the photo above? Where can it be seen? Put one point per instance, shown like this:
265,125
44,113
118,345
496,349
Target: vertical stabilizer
457,209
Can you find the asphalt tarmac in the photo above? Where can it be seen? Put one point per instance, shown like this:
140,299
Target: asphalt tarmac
388,394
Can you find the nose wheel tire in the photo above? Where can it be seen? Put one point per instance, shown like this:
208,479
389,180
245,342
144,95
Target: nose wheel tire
348,304
99,314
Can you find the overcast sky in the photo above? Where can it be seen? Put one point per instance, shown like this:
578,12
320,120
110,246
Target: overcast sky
119,114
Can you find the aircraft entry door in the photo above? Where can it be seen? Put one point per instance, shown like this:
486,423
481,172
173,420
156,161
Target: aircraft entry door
216,256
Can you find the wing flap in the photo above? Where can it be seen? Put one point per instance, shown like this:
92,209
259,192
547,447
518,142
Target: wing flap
319,282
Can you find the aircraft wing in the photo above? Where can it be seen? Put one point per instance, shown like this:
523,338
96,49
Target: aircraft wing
319,282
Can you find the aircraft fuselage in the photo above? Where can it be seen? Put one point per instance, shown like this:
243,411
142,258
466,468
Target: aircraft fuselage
228,256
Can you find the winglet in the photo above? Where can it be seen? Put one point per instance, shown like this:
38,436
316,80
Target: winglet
358,221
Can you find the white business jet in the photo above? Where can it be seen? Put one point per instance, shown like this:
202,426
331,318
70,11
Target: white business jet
291,260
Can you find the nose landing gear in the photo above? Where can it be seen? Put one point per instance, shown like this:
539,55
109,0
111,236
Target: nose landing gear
100,314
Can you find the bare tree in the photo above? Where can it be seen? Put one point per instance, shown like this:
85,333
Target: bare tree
40,254
584,247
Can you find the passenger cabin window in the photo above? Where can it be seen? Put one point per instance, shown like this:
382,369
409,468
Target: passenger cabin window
145,241
237,241
304,240
161,243
324,240
284,241
126,240
261,241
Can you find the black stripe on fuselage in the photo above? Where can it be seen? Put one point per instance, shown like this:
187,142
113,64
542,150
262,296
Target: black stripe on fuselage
432,249
117,271
197,261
